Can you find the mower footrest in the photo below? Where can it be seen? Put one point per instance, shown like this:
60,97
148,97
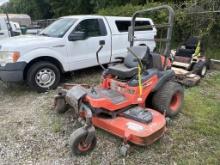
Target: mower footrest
181,64
112,95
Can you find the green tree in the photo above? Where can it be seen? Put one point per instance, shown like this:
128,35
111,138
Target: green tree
37,9
68,7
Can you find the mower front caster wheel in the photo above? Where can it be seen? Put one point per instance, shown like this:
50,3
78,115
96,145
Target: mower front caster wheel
78,144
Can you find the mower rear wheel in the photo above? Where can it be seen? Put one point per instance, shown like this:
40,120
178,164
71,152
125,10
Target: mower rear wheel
77,142
200,68
169,99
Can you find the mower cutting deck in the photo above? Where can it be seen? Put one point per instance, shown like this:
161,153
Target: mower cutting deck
133,100
187,78
136,129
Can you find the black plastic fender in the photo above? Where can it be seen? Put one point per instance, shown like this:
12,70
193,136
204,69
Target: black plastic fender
74,95
166,76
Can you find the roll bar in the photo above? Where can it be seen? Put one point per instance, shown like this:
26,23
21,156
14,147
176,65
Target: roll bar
169,26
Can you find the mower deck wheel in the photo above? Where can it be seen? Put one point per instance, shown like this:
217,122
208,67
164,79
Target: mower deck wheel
169,99
123,150
168,121
77,142
60,105
203,71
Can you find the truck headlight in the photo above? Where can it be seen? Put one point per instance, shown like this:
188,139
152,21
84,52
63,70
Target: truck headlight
8,57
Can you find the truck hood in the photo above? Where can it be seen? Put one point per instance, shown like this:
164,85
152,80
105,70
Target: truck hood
24,41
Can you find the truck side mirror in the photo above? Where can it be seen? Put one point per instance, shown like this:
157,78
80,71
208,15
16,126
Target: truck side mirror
75,36
102,42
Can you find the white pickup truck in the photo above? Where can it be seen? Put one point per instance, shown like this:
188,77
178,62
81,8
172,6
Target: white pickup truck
69,44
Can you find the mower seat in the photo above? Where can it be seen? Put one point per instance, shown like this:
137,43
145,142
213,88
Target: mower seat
129,68
189,48
122,71
185,53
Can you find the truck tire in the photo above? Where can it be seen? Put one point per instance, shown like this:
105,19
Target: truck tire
43,76
169,99
200,68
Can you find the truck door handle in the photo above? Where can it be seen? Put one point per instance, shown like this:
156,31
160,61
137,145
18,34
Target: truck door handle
2,33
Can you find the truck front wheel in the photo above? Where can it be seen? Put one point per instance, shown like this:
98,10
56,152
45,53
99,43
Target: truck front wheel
43,76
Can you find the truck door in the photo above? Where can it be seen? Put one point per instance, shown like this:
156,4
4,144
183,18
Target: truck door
82,53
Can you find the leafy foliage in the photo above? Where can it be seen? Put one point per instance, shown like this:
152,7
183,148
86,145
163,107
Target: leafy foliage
187,22
35,8
67,7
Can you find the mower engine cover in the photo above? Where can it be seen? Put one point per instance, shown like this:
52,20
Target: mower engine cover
74,95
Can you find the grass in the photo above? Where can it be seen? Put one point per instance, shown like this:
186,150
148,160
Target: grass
202,107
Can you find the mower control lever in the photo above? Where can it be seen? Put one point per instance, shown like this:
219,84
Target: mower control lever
101,43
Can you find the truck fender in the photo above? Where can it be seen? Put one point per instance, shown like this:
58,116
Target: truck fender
45,52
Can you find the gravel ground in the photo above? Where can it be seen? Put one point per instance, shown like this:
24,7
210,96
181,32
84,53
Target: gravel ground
32,133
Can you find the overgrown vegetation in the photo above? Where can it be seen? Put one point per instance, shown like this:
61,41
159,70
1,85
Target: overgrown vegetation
187,22
44,9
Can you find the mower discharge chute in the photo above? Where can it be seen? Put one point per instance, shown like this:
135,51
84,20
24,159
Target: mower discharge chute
133,100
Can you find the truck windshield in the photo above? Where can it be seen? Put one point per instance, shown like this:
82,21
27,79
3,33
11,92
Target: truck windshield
59,28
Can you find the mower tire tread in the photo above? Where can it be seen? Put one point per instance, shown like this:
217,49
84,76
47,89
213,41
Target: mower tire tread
162,98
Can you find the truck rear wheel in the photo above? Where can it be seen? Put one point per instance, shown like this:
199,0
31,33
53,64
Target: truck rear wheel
169,99
43,76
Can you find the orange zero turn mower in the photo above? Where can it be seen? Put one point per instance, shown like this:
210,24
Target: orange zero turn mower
133,100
